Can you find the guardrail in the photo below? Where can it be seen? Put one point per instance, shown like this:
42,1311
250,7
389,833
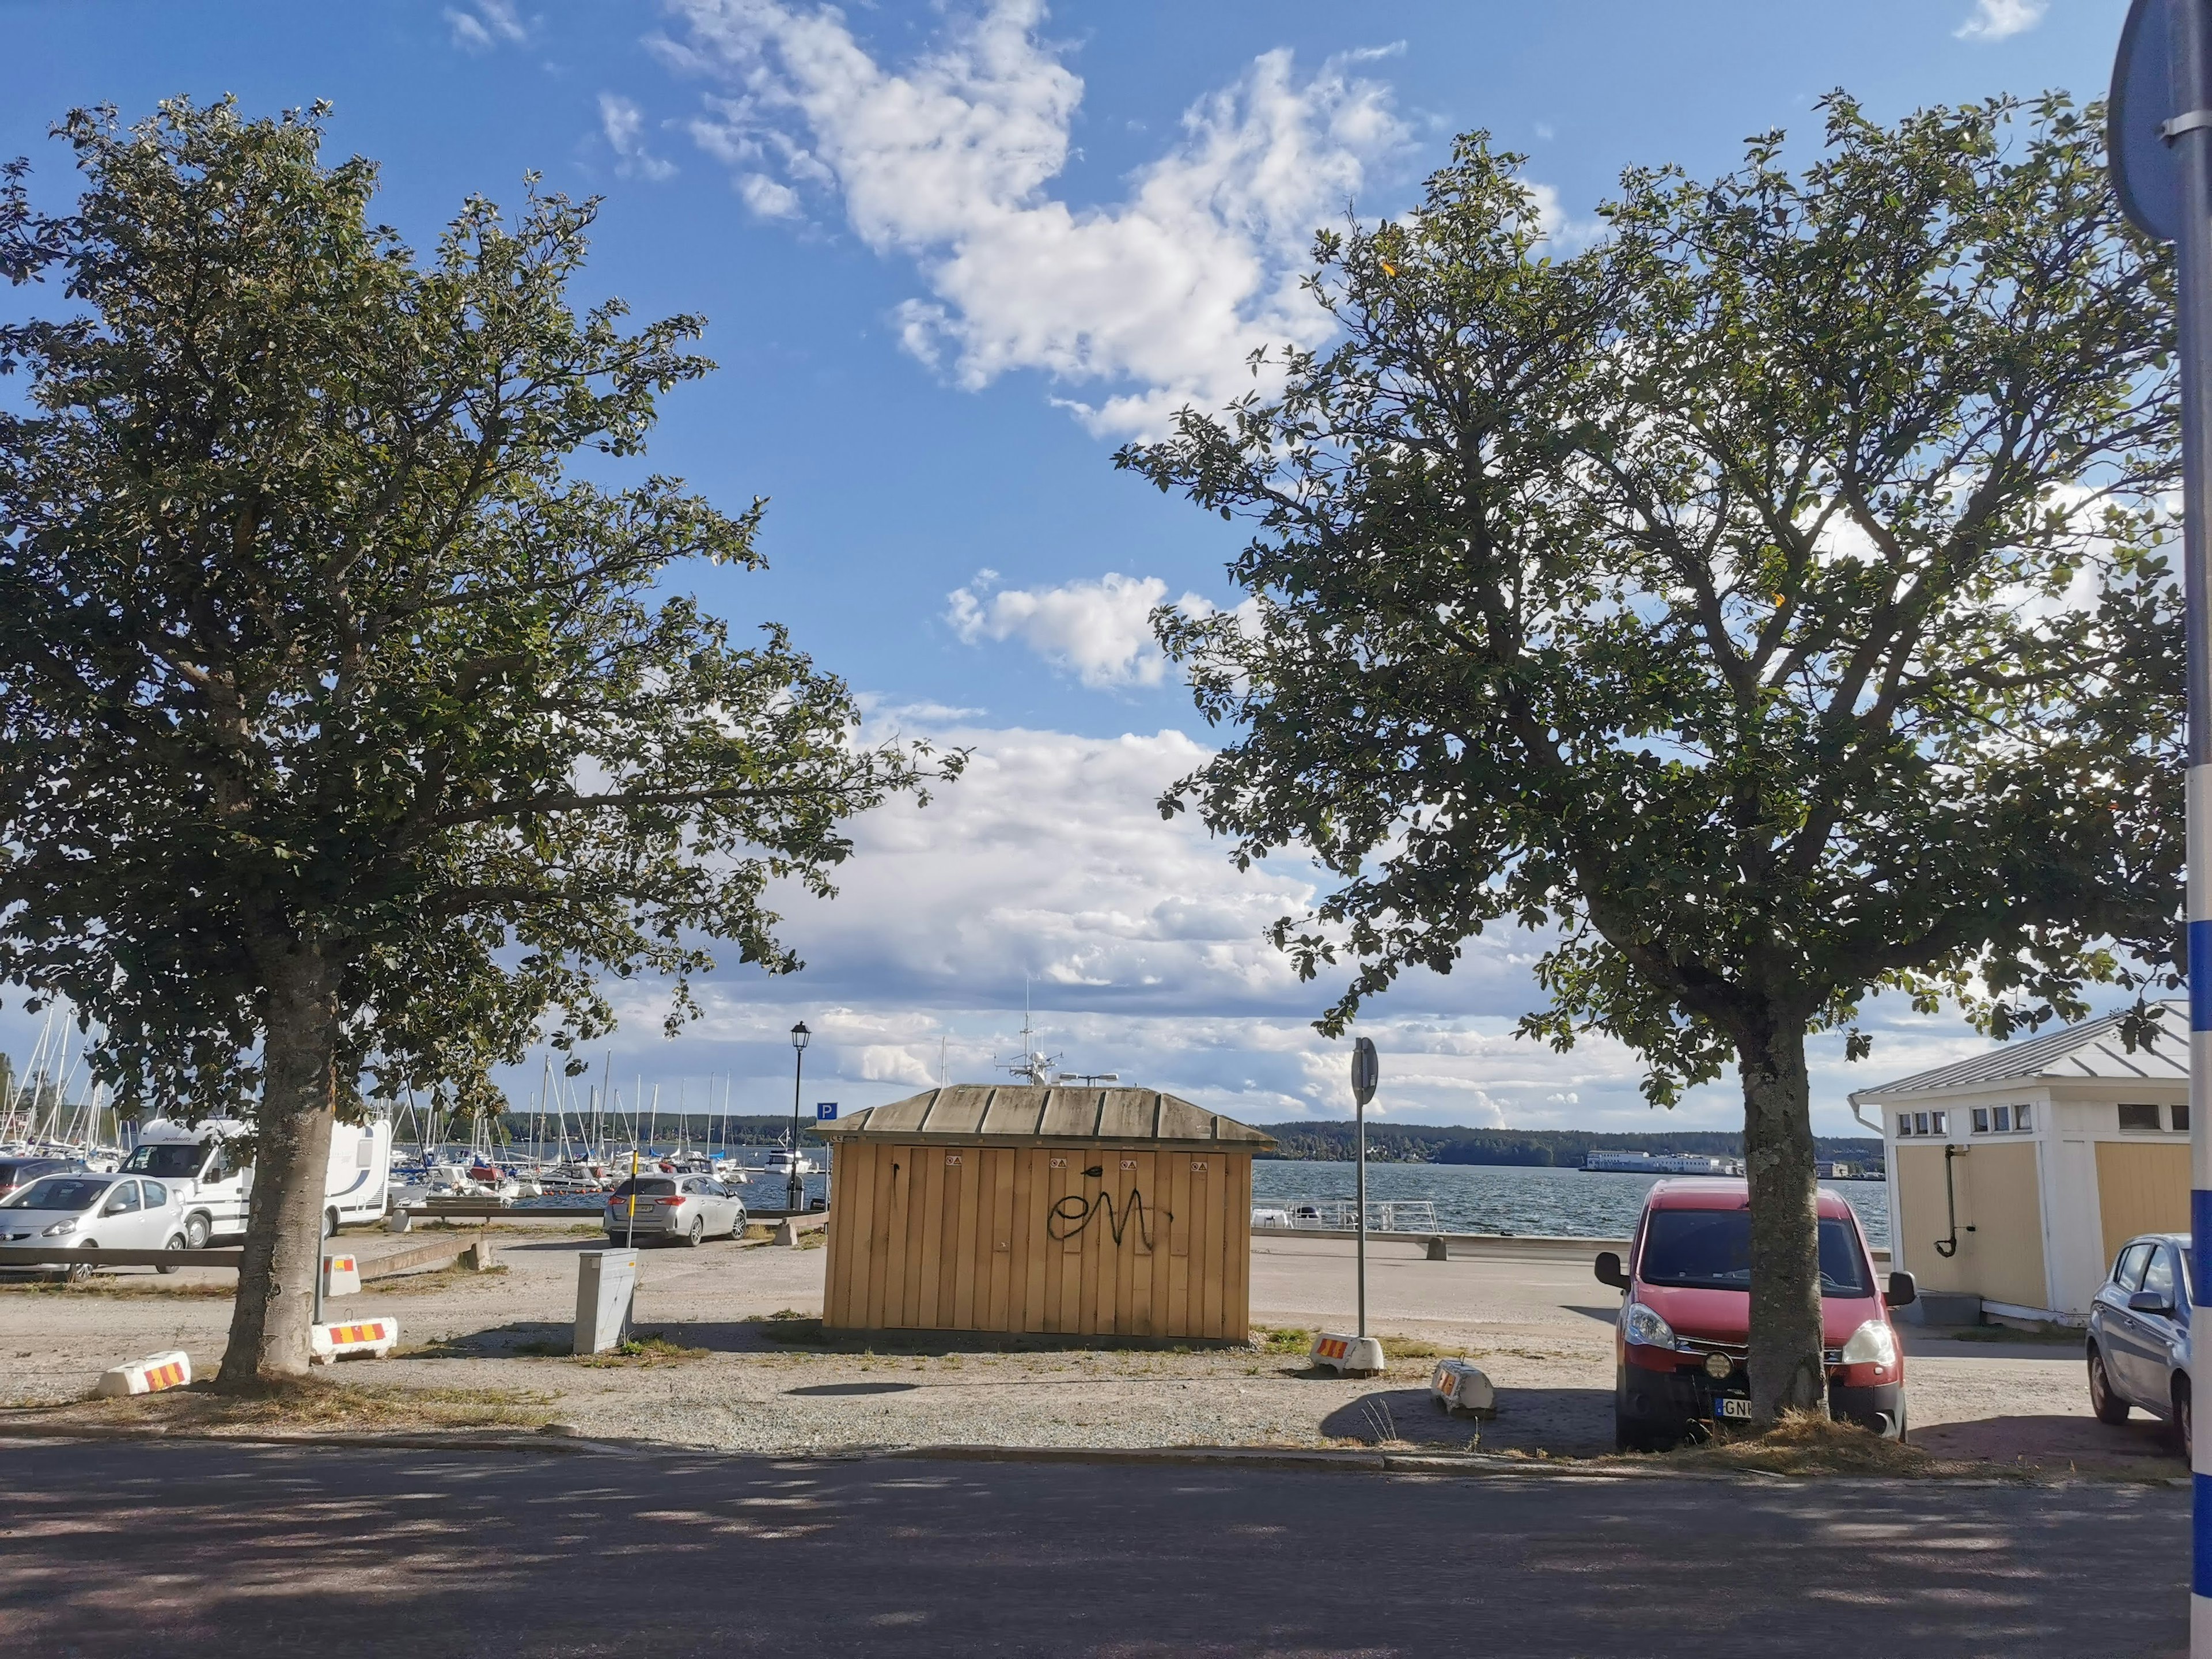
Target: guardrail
25,1255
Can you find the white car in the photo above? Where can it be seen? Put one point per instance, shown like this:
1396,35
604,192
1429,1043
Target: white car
93,1212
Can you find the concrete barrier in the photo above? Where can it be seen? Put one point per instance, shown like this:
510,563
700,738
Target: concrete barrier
1461,1385
1349,1356
328,1344
149,1376
341,1275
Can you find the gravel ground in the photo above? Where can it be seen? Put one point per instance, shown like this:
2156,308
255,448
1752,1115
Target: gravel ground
1540,1326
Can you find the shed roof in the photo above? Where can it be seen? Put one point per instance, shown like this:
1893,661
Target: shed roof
2090,1049
975,1111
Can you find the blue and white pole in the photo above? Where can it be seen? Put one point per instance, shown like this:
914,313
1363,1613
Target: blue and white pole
2160,142
2189,135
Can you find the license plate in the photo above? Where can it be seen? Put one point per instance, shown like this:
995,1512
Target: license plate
1726,1407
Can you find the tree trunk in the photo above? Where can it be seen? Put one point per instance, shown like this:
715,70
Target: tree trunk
284,1227
1785,1366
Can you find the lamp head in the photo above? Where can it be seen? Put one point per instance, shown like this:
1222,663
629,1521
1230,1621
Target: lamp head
799,1034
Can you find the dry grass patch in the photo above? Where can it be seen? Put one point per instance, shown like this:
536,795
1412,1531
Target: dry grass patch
648,1348
434,1278
316,1402
1808,1443
99,1284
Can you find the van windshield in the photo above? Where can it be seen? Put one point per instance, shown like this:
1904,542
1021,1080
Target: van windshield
1711,1250
178,1160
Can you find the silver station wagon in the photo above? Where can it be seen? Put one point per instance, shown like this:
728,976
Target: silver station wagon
2139,1335
689,1208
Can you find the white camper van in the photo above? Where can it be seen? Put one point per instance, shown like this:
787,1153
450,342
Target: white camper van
198,1159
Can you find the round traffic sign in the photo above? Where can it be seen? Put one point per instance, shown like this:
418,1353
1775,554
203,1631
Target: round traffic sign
1366,1071
2146,173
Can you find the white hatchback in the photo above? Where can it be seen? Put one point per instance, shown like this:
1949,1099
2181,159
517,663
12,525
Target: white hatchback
93,1212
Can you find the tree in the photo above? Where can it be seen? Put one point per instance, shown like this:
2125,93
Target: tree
343,734
1764,604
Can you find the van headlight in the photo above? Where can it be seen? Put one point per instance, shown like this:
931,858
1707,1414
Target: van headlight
58,1229
1873,1344
1646,1328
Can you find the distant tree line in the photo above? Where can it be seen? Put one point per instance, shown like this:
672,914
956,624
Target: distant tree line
1439,1143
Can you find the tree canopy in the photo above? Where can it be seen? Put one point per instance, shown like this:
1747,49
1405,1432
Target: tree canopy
1766,604
345,734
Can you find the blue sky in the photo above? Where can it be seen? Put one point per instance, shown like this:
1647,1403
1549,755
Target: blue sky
951,256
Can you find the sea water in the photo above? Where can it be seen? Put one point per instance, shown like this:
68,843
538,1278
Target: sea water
1493,1198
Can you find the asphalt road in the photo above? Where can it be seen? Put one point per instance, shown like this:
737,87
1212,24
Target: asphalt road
193,1548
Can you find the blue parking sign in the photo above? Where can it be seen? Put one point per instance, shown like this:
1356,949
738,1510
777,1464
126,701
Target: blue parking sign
826,1111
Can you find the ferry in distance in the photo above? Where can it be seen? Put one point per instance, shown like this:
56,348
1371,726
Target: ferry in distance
1659,1163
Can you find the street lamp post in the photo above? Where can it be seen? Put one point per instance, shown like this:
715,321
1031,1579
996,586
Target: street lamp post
795,1193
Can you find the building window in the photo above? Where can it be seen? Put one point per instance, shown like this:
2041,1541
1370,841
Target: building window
2139,1121
2020,1120
1939,1123
2003,1116
1920,1123
1981,1120
2181,1117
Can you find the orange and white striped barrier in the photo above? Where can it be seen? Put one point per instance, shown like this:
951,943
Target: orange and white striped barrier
341,1276
163,1370
331,1343
1349,1356
1461,1385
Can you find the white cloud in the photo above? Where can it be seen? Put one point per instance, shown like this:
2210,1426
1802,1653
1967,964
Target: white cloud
1558,226
486,26
1996,20
1145,304
623,124
1101,631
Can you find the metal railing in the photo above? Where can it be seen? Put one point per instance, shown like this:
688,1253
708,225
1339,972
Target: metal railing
1342,1215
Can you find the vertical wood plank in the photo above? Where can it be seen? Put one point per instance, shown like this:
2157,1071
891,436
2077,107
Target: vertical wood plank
1122,1166
883,1228
1214,1246
868,1189
1237,1298
917,1225
1178,1318
1060,1164
846,1207
932,1235
1143,1220
999,1246
971,1258
1032,1199
955,1165
1162,1260
1080,1270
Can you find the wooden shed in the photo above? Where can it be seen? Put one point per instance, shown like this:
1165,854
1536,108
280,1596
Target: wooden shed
1091,1212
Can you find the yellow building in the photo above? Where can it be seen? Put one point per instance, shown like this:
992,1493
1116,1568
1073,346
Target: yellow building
2015,1176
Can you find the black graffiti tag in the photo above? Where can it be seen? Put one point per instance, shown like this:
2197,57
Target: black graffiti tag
1073,1213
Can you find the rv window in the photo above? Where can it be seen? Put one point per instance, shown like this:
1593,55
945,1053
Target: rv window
177,1160
364,1153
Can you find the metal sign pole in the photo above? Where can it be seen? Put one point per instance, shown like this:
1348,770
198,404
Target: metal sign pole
2160,142
1366,1070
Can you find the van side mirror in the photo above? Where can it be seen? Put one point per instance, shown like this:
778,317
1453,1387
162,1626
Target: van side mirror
1609,1270
1902,1291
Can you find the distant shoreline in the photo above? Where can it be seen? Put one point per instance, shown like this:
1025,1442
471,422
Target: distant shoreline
1305,1141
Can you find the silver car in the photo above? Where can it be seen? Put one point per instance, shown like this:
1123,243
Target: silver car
690,1207
91,1212
2139,1335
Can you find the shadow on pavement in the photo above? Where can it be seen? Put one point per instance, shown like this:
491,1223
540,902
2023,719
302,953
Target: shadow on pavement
2142,1447
1570,1422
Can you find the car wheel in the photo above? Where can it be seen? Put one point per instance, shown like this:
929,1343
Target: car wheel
80,1272
738,1224
196,1231
2108,1406
176,1242
330,1224
2182,1427
698,1231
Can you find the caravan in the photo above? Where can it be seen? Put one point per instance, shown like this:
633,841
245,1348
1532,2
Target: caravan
200,1160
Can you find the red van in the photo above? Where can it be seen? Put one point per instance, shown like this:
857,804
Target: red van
1685,1322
